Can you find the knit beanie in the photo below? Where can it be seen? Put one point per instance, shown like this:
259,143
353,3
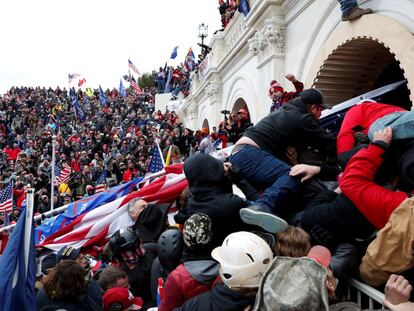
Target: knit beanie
197,231
275,87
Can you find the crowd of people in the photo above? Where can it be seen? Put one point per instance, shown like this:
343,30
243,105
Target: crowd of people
317,208
303,189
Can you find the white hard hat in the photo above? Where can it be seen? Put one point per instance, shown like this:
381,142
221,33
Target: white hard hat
243,258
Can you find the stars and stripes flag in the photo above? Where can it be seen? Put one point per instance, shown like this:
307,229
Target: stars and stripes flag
135,86
133,67
100,183
157,163
95,227
6,198
72,77
62,174
51,225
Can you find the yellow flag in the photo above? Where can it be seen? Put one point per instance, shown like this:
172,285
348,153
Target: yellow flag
168,159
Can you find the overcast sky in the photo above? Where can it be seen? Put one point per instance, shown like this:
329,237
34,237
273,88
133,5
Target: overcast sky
44,40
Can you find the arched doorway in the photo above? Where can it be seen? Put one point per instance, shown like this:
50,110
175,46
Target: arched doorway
241,104
358,66
205,124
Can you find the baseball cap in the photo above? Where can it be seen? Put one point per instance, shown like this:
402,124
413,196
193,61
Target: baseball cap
67,252
321,255
120,298
314,96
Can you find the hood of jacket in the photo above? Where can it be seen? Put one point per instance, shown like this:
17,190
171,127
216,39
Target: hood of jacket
204,271
205,173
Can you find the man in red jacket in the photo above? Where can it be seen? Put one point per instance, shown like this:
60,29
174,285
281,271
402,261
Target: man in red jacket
360,118
391,212
279,96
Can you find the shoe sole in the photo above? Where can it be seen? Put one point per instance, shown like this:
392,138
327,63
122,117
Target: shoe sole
267,221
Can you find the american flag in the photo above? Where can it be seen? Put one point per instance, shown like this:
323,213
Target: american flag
73,76
6,198
96,226
132,67
156,163
135,86
100,186
62,174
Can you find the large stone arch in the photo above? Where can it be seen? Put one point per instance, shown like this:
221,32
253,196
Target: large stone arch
392,36
242,88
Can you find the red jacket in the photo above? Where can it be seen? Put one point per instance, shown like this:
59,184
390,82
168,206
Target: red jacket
362,115
179,287
287,96
375,202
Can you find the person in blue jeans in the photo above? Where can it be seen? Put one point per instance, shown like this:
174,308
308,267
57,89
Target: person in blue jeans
260,155
351,10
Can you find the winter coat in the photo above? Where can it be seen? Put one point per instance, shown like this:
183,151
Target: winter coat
220,298
376,203
212,194
291,125
187,281
45,303
360,118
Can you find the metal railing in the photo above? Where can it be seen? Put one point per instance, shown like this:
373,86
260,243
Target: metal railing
365,296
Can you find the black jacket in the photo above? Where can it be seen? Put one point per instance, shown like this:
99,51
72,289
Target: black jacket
291,125
338,216
212,194
44,303
220,298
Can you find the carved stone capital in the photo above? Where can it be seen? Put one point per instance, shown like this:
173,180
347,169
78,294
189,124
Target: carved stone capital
212,88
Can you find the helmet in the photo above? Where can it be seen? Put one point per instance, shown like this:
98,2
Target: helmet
243,258
124,240
170,248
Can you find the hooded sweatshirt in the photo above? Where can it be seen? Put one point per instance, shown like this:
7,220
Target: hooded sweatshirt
187,281
212,194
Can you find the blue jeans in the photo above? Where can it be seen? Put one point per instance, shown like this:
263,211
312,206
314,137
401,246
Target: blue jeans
265,171
161,86
402,123
347,5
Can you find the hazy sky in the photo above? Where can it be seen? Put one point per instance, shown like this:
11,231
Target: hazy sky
44,40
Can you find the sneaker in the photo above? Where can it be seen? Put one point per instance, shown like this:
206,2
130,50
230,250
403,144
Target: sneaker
255,215
355,13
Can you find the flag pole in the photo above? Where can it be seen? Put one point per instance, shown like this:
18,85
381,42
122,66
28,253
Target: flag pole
159,150
29,225
52,182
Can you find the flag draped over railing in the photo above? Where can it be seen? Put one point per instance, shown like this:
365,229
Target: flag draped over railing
93,228
51,225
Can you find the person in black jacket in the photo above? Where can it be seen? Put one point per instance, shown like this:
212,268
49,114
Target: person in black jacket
211,193
261,156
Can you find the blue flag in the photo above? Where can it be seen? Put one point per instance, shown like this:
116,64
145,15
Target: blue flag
122,89
18,268
244,7
76,105
102,97
53,224
174,52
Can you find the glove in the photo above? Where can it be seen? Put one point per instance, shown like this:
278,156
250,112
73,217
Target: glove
361,138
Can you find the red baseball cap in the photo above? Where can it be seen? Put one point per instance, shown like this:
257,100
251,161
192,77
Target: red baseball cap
123,298
321,255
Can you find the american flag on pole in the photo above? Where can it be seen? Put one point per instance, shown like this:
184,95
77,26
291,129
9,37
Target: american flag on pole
62,174
96,226
132,67
6,198
156,163
135,86
100,186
